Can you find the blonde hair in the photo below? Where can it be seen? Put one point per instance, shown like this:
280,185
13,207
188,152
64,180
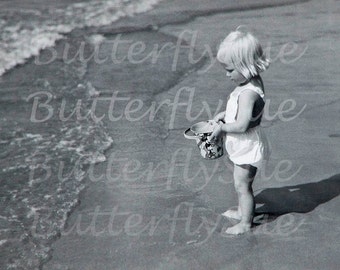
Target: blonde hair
244,51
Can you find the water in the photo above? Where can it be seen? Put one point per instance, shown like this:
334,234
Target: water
26,29
43,165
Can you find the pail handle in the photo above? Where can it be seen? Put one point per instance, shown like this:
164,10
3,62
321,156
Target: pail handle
190,137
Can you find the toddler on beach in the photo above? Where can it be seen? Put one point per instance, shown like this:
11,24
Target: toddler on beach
242,57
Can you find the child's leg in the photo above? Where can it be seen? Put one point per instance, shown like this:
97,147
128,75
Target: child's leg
243,177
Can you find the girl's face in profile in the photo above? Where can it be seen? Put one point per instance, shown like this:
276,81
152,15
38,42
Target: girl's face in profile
233,74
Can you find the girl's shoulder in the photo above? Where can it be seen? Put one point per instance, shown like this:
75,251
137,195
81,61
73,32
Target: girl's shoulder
255,85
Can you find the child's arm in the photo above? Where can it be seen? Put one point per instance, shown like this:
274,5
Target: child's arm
246,104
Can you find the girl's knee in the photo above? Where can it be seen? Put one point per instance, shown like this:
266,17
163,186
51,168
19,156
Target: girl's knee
248,170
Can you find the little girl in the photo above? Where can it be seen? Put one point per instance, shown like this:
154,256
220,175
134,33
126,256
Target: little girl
242,57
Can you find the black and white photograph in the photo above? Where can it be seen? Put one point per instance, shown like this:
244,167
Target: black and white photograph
169,135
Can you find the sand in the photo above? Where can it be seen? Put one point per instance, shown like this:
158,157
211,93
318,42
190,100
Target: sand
155,203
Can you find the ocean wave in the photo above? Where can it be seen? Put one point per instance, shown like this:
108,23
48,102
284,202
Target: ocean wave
25,32
43,171
44,166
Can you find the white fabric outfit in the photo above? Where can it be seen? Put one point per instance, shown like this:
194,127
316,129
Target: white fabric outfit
250,147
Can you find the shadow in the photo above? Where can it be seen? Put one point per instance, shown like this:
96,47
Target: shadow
298,199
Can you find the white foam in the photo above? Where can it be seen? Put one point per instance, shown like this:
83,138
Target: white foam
96,39
2,242
21,39
92,91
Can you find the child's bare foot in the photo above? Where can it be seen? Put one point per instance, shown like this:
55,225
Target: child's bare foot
232,214
239,228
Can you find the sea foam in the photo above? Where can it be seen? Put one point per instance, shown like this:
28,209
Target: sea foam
25,32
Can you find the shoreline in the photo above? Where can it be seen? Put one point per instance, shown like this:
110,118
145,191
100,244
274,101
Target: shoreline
144,199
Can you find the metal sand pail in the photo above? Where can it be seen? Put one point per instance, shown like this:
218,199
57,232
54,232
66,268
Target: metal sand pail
201,131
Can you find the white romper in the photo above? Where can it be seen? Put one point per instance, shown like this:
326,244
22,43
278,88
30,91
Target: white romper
250,147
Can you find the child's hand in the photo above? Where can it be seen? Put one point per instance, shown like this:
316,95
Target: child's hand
216,133
219,117
216,119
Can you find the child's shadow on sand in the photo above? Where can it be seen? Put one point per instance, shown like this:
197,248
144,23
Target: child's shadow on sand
299,199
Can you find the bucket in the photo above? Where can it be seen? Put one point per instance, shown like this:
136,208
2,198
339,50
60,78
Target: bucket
200,132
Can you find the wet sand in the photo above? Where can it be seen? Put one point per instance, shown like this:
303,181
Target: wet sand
155,203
